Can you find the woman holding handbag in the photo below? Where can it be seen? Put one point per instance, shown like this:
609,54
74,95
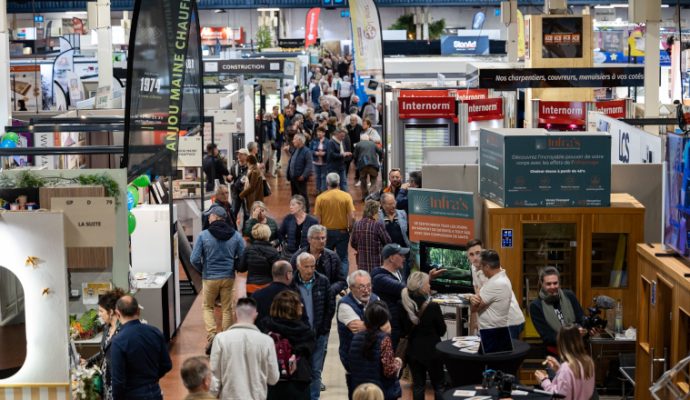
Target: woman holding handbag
423,322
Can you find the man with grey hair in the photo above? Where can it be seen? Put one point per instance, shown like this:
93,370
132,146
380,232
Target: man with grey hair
319,305
336,211
300,168
282,273
243,359
327,261
197,377
350,316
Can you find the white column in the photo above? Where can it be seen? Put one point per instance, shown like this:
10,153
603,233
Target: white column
105,45
425,25
5,88
651,73
512,34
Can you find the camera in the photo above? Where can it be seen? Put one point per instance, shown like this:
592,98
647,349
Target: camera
501,381
594,320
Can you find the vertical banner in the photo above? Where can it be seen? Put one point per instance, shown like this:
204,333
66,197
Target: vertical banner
163,84
366,36
311,31
441,216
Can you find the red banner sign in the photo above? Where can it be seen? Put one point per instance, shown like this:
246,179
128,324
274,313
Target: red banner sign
425,93
612,108
471,94
311,33
484,109
562,112
426,107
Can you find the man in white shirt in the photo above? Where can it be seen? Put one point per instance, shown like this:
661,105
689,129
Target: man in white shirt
516,319
243,359
350,315
345,93
493,301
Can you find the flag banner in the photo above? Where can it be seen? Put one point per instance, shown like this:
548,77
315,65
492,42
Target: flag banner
366,35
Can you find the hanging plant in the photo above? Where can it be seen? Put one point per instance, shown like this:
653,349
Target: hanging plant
263,38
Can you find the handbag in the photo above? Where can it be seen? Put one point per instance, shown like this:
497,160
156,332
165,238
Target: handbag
266,187
401,350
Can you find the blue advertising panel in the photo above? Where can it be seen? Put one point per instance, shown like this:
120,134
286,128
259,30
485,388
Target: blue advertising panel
464,45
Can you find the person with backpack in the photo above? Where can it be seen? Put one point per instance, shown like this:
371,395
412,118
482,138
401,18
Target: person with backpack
371,356
243,359
423,322
294,340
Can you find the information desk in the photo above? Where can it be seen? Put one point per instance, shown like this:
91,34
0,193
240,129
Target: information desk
479,391
468,368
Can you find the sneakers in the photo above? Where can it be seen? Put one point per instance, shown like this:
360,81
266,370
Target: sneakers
358,184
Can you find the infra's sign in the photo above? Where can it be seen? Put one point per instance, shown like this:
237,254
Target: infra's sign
441,216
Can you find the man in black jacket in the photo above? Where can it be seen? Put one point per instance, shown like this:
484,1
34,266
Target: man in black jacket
300,168
327,260
214,167
319,305
554,308
336,156
282,278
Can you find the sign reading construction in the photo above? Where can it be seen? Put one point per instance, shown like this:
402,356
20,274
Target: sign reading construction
441,216
510,79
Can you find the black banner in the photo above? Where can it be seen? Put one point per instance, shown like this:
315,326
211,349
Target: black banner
510,79
162,98
246,66
294,43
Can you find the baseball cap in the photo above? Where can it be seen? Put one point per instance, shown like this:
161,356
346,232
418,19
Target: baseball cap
217,211
394,248
243,151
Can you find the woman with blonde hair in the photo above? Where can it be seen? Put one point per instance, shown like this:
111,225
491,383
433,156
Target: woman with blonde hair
575,374
254,270
367,391
424,326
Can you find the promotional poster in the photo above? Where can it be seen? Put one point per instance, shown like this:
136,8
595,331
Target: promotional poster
441,216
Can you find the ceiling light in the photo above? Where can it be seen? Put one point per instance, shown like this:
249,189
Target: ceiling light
267,9
599,6
219,11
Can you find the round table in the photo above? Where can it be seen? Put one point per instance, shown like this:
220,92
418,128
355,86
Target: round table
468,368
448,394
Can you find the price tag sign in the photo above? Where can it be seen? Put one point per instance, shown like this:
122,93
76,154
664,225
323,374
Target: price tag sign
189,153
89,221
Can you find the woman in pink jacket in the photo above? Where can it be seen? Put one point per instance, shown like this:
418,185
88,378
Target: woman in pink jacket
575,375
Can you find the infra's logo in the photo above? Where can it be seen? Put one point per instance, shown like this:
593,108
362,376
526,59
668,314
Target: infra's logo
370,31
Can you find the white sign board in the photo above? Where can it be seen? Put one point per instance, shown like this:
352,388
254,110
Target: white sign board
629,145
89,221
190,152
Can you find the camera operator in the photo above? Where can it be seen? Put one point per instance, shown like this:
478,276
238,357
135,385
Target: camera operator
554,309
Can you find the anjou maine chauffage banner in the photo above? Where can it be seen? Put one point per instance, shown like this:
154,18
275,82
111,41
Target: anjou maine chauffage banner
163,84
441,216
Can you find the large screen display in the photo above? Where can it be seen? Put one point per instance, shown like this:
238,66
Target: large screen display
458,275
677,201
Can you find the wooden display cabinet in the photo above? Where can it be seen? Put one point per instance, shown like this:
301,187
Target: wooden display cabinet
594,248
663,333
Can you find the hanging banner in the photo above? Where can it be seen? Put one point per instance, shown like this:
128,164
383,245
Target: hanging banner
511,78
612,108
562,112
312,27
163,84
471,94
458,94
426,107
441,216
366,35
484,109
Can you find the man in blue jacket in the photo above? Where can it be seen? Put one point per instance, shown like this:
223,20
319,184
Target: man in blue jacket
214,255
300,168
319,305
138,356
336,155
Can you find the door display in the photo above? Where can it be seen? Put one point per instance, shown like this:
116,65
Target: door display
419,136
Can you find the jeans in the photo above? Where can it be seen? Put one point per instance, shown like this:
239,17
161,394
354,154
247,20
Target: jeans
339,241
367,176
211,289
516,330
320,177
317,360
267,157
343,179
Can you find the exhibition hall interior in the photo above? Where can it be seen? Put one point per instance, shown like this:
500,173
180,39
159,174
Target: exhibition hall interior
344,199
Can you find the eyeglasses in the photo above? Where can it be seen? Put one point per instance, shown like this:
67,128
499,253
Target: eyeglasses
362,287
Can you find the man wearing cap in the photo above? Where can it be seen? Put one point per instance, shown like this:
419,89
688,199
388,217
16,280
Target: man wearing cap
214,255
214,167
388,283
238,174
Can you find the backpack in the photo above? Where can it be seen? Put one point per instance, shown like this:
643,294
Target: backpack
284,354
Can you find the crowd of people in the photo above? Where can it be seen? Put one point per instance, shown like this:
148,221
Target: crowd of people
280,283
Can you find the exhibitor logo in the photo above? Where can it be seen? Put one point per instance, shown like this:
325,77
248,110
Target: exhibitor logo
469,45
